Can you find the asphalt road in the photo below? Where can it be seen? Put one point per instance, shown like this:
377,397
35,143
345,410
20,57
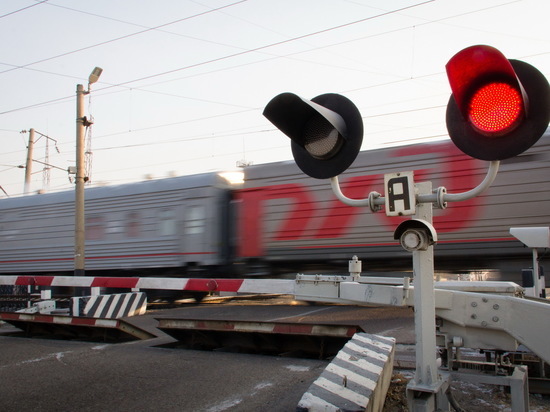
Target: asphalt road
43,375
56,375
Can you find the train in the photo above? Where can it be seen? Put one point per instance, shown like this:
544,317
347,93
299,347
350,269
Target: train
281,222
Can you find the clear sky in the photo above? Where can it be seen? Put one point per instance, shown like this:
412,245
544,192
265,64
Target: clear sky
185,82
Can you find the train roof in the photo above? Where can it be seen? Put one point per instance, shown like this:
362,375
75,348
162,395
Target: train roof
135,188
288,167
212,179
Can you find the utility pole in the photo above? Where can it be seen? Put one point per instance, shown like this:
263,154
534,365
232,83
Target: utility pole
79,226
28,165
81,123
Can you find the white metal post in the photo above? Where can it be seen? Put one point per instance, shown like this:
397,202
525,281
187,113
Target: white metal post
426,391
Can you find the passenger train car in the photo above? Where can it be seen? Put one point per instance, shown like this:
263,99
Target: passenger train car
150,227
286,217
282,221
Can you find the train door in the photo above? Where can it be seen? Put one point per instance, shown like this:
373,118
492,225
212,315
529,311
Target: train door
228,229
194,242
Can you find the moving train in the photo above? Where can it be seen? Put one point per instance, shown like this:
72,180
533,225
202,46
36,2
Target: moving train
280,221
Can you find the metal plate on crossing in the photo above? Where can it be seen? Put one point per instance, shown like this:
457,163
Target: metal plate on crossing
400,196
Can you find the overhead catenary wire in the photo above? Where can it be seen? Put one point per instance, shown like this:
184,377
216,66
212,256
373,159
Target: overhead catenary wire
67,98
246,51
368,116
121,37
273,44
22,9
226,134
206,62
171,124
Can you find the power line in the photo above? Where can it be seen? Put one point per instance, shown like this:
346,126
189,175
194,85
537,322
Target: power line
223,134
194,138
143,26
185,139
122,37
267,46
312,49
49,165
15,67
179,161
31,106
24,8
180,122
245,51
203,63
171,124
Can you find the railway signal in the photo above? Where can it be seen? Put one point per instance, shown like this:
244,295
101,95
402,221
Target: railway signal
499,107
326,131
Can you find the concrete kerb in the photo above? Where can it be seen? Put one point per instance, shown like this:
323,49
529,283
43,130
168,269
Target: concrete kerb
357,379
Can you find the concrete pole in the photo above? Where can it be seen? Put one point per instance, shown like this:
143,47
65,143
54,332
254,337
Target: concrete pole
80,237
28,164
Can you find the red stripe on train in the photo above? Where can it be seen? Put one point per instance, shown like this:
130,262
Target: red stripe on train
107,257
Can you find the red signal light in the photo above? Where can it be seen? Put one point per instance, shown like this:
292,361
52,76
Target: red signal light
499,107
496,108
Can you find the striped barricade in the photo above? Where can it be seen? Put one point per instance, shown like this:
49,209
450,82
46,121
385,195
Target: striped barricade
356,380
113,306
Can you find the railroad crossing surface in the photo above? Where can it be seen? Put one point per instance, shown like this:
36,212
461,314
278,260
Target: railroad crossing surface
43,374
47,375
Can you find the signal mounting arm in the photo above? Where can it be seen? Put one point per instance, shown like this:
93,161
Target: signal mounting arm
440,197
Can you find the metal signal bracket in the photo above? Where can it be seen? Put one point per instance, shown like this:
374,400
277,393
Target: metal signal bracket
427,390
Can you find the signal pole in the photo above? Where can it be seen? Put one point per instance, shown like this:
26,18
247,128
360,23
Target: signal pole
327,132
28,164
79,227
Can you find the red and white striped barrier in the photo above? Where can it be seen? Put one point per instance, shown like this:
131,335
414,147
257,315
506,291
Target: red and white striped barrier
283,286
62,322
60,319
266,327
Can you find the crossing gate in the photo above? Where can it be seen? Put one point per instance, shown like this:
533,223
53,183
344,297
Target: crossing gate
283,286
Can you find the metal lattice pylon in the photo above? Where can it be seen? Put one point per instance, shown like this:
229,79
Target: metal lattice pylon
46,175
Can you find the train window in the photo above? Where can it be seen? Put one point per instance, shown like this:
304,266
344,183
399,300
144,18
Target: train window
95,228
167,222
195,220
132,224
